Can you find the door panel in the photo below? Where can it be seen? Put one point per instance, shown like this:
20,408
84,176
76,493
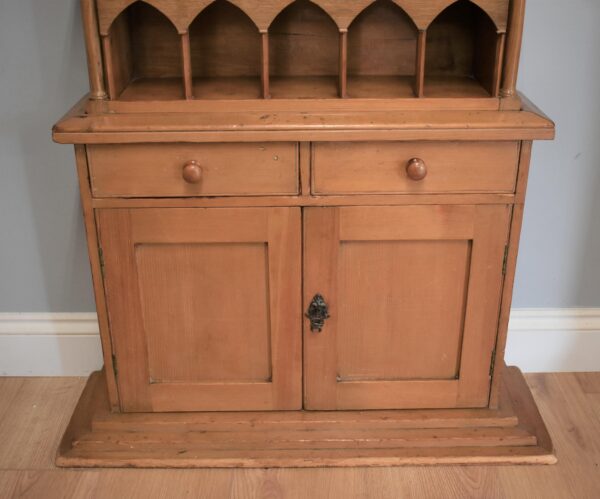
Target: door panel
204,307
413,294
200,300
422,295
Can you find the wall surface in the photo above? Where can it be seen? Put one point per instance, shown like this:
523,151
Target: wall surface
559,262
43,260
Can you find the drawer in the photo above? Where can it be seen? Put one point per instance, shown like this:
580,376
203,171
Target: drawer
436,167
180,170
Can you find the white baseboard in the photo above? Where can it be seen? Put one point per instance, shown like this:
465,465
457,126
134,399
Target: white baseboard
554,340
49,344
540,340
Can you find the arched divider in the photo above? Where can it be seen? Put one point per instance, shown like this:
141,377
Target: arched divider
181,13
423,13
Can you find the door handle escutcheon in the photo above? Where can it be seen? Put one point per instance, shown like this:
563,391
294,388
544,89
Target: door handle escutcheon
317,312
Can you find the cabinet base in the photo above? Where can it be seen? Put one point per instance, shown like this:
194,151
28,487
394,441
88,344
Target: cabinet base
513,434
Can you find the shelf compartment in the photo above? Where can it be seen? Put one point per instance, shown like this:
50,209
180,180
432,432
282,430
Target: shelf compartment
153,89
304,87
377,87
303,53
382,52
463,53
227,87
454,87
225,53
143,55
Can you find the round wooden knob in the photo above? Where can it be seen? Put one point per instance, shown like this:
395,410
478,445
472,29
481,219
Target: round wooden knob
192,173
416,169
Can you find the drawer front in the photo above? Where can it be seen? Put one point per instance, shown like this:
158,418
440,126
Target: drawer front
435,167
181,170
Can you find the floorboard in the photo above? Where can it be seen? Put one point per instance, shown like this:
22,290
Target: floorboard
34,413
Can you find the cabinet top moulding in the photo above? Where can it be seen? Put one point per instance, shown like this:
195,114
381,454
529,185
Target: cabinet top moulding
80,127
183,12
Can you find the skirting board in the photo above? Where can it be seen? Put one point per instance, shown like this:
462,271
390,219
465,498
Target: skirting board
540,340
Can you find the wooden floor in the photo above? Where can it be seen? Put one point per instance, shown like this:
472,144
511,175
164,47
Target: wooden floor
34,413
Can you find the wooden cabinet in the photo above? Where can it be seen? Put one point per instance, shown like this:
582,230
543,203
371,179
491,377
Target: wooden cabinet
205,306
414,296
303,223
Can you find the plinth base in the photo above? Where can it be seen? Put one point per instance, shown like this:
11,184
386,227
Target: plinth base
513,434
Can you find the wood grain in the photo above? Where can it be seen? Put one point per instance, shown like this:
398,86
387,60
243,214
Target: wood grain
94,50
511,268
224,39
224,43
199,326
93,245
265,66
303,42
382,41
420,69
168,293
227,169
182,12
409,324
352,363
301,440
187,66
343,65
513,48
380,167
155,44
27,469
296,126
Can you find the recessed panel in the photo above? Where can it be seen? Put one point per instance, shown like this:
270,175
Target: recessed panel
200,326
382,41
304,42
401,309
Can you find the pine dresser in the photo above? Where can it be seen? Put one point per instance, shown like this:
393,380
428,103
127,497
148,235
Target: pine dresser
303,221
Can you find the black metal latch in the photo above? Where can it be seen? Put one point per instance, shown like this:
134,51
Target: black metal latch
318,312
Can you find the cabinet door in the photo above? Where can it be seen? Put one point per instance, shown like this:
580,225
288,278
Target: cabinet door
204,307
413,295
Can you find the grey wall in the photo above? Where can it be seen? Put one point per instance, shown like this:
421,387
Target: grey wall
43,261
559,263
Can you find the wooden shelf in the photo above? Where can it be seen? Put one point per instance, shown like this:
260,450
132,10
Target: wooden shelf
227,88
305,51
380,87
460,87
153,89
304,87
